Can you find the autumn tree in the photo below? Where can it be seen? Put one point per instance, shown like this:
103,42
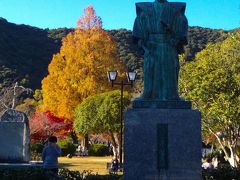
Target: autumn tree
212,82
29,105
79,69
45,124
101,114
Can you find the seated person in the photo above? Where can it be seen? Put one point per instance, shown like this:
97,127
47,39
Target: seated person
207,164
84,151
114,165
79,150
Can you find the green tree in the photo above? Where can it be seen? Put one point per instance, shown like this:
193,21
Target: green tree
212,82
101,114
28,107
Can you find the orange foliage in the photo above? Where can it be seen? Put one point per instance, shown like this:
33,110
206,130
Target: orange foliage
80,68
90,20
44,124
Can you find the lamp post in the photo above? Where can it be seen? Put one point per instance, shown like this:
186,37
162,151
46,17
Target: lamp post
112,76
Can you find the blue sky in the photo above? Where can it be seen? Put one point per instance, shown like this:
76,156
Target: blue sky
217,14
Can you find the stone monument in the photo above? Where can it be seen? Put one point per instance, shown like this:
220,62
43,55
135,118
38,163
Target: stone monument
162,134
14,137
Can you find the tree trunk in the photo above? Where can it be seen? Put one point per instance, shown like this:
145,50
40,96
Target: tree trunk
115,151
233,159
221,143
85,141
74,137
116,136
114,144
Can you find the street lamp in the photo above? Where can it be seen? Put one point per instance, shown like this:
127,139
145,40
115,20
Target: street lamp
112,76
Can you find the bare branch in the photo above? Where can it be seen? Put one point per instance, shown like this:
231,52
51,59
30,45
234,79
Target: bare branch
9,96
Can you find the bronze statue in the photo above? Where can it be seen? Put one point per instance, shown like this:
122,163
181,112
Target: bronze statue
160,28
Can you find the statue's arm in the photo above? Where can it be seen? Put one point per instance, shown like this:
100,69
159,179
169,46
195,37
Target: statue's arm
180,33
137,30
184,30
139,34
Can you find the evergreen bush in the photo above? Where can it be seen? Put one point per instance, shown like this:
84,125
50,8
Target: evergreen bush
98,150
67,147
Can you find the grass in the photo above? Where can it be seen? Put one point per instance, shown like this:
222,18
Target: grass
94,164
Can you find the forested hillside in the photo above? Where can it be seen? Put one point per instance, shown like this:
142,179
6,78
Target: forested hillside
26,51
198,38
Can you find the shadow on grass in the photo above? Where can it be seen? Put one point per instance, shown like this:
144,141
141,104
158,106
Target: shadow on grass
67,165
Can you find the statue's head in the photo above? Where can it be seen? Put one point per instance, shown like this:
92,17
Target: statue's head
161,1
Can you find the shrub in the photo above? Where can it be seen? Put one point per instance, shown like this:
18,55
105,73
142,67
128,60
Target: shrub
67,147
86,175
22,174
38,174
104,177
36,149
222,172
98,150
67,174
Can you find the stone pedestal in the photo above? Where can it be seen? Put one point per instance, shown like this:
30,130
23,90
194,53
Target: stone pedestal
162,144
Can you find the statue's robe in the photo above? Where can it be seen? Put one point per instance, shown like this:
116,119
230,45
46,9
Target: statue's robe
161,30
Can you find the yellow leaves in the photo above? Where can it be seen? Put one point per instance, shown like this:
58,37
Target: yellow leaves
79,70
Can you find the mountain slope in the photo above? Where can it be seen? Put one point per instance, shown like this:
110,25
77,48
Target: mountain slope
26,51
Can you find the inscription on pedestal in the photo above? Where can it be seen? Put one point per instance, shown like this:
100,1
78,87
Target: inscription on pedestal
162,146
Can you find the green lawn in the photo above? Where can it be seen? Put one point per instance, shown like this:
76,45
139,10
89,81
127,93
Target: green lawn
96,164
